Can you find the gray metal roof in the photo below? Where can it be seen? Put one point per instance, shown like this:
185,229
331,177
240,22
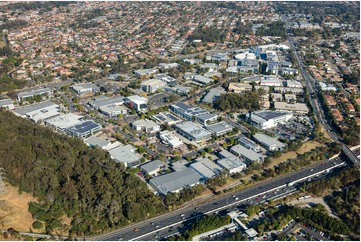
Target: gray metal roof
4,102
263,138
34,107
206,168
176,180
97,103
152,166
213,94
34,92
194,130
267,115
124,154
219,127
249,154
96,141
83,127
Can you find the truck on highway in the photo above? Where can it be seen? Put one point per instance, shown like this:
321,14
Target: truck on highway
290,184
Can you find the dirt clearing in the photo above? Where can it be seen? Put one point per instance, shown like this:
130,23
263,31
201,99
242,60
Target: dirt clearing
14,210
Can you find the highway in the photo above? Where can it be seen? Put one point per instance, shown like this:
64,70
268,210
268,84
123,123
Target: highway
311,88
167,224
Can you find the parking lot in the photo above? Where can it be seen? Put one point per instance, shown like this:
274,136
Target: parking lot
157,100
296,128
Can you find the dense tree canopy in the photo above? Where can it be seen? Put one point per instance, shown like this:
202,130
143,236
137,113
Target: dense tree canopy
71,179
236,101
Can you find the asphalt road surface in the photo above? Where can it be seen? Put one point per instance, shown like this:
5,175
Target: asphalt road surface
278,186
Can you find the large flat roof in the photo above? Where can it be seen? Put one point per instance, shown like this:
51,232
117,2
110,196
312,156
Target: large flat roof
219,127
124,154
96,141
175,181
105,101
153,165
193,129
83,127
64,120
34,92
206,167
267,115
249,154
268,140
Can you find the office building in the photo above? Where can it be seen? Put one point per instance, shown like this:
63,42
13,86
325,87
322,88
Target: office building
205,168
186,111
152,85
153,167
267,119
126,155
270,143
220,128
193,132
136,102
170,139
248,156
146,125
32,93
83,130
249,144
39,111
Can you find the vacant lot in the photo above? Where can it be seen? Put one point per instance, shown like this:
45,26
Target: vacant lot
14,210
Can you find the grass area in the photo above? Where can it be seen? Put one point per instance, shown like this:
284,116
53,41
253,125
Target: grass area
293,154
14,210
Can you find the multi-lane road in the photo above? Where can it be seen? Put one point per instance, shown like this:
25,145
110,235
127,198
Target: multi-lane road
311,88
170,223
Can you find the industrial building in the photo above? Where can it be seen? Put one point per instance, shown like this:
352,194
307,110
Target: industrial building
153,167
167,118
297,108
213,95
8,104
297,91
110,106
146,73
147,125
63,121
84,88
101,101
39,111
202,79
136,102
152,85
293,84
94,141
220,128
193,132
169,139
273,81
205,168
249,144
167,79
270,143
186,111
248,156
267,119
126,155
175,181
207,118
32,93
230,162
84,129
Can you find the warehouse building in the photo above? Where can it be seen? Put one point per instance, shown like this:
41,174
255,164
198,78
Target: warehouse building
167,118
270,81
193,132
202,79
167,79
85,88
297,108
63,121
175,181
94,141
147,125
213,95
208,118
7,104
152,85
101,101
169,139
32,93
249,144
230,162
186,111
84,129
205,168
249,156
270,143
39,111
267,119
153,167
136,102
126,155
220,128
